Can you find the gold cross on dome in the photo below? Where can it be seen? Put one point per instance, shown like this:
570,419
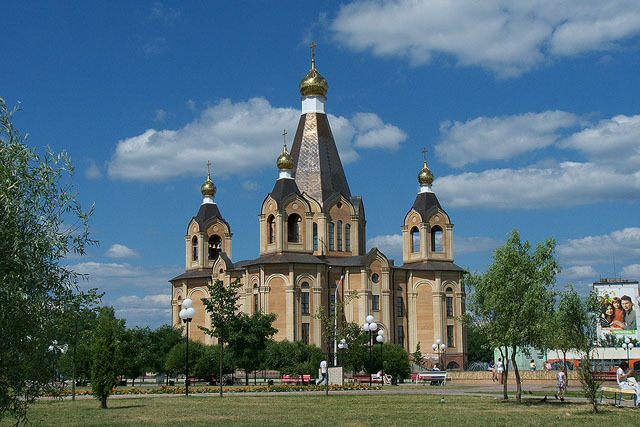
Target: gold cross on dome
208,164
424,153
312,47
284,136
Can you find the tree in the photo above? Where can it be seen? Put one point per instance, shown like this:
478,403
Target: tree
293,358
135,355
513,301
394,359
40,223
569,323
177,357
161,341
478,346
590,381
104,352
248,339
222,306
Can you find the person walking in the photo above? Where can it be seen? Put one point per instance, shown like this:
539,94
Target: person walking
562,383
323,371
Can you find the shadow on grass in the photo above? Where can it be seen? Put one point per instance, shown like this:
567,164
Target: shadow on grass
125,407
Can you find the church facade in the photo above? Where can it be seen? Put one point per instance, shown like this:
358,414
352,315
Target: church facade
313,251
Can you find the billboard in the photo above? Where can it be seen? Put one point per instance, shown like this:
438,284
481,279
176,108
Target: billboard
618,310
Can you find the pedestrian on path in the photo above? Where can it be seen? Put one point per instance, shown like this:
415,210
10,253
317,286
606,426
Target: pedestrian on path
323,371
562,383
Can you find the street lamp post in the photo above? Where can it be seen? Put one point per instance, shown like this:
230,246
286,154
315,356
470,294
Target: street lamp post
343,346
57,349
380,339
439,348
335,324
627,345
186,314
370,326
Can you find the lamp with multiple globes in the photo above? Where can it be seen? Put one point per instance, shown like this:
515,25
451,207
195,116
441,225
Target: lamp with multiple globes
370,326
441,349
627,345
187,314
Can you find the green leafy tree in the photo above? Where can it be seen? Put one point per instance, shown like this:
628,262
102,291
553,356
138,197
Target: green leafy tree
587,375
479,348
222,306
569,323
513,301
248,339
161,341
176,360
393,360
207,365
135,354
41,222
104,351
293,358
417,357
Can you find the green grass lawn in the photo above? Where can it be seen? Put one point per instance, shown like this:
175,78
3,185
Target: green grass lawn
337,409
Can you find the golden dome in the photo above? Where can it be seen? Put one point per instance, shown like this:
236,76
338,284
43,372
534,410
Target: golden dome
208,189
285,161
425,177
313,84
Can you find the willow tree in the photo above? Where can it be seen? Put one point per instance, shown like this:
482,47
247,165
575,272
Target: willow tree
514,298
41,222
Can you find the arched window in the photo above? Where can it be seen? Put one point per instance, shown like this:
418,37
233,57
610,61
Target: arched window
415,240
332,227
194,248
215,246
315,236
449,302
271,224
339,235
293,228
256,302
436,239
347,237
452,366
304,298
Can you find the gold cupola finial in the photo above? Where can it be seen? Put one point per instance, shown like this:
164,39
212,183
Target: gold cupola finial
285,161
425,177
313,84
208,189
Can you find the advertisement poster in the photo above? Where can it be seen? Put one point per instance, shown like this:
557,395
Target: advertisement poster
619,310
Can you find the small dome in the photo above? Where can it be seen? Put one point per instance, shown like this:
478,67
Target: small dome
285,161
425,177
208,189
313,84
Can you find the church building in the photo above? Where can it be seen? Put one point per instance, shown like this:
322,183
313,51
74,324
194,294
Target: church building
313,250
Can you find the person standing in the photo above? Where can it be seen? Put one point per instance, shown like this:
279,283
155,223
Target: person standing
323,371
629,313
532,365
624,382
492,369
562,383
500,369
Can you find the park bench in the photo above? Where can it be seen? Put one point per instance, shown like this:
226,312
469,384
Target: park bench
364,378
434,377
617,394
299,378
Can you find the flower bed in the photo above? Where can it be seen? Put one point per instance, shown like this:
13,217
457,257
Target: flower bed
248,389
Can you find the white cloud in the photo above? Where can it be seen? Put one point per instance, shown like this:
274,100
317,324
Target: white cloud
120,251
235,137
508,38
375,134
92,171
160,115
631,272
614,142
390,245
155,46
580,272
139,294
568,184
191,105
499,138
162,14
623,244
250,185
470,245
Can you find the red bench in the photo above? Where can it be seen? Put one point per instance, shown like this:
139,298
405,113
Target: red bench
605,376
299,378
364,378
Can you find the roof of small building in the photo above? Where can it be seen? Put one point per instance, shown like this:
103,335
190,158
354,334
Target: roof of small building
431,265
426,203
193,274
206,213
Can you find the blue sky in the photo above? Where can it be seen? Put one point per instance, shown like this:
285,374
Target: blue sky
529,111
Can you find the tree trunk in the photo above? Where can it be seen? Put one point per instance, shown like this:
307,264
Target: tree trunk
515,371
220,344
564,358
505,372
246,377
103,402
